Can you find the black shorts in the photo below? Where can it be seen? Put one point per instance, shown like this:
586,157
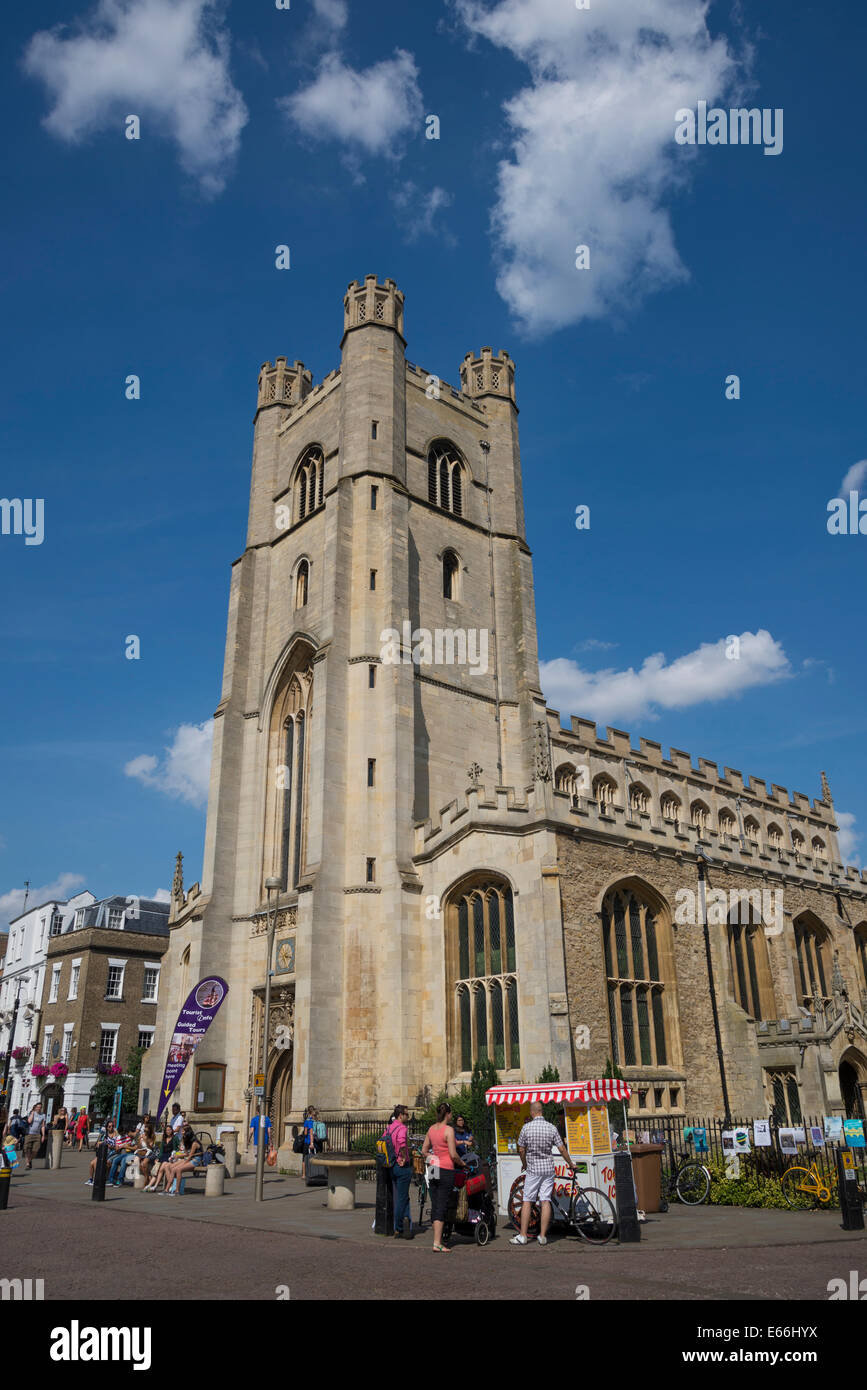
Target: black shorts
440,1192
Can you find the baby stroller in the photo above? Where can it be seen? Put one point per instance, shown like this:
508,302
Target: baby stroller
472,1210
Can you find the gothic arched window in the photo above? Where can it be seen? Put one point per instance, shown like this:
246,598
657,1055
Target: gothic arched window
445,483
775,836
814,964
286,782
309,485
700,816
752,829
604,788
451,575
641,1003
480,954
819,850
670,807
748,957
861,951
728,825
639,798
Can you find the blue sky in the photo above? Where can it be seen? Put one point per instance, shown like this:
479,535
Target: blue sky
306,127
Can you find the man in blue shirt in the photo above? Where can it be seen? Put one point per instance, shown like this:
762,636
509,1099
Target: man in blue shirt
254,1132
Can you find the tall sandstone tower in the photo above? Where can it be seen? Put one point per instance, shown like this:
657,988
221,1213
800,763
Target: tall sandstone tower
381,665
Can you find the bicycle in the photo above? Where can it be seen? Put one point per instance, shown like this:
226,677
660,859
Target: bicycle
591,1212
805,1188
685,1178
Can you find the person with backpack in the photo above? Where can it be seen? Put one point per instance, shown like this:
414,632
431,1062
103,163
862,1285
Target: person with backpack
17,1128
399,1161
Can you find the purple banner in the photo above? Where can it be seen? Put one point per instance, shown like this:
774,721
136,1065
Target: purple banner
194,1020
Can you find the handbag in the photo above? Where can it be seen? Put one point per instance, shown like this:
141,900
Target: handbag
298,1144
271,1157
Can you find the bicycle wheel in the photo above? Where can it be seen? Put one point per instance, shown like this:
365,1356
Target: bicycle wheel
693,1184
592,1214
516,1202
800,1189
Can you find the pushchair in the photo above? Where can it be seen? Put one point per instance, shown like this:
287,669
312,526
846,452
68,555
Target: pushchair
472,1210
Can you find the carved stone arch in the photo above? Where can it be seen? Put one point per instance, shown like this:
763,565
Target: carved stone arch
482,974
286,765
640,972
299,650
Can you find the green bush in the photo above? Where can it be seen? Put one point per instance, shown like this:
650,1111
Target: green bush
749,1190
365,1143
469,1101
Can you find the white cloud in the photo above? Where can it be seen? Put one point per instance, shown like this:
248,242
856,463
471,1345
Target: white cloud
185,771
593,153
417,212
166,61
162,895
374,108
854,479
63,887
703,675
848,838
334,13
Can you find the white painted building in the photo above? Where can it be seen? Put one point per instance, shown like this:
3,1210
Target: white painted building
23,979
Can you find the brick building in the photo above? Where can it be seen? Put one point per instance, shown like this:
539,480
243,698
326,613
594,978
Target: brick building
102,989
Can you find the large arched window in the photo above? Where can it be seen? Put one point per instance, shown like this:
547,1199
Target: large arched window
566,780
775,836
814,962
480,954
819,849
670,807
286,797
309,485
748,957
451,575
700,816
445,477
641,1006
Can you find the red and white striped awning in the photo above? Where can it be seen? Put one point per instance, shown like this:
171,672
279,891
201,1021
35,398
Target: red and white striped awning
561,1093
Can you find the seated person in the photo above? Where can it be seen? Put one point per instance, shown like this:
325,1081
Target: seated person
188,1160
164,1152
108,1136
463,1136
123,1152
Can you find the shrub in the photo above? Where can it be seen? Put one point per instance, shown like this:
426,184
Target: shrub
364,1143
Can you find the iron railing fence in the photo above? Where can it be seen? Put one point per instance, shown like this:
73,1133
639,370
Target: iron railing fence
765,1164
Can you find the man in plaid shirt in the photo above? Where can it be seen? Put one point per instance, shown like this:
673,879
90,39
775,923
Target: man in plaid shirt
535,1143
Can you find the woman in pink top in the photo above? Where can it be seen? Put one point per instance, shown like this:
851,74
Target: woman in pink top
440,1139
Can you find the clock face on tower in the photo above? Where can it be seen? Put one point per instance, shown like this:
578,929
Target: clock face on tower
286,955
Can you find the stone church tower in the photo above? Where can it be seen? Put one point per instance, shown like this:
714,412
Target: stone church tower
380,717
462,876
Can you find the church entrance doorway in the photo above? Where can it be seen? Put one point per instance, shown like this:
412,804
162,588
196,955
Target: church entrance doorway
853,1084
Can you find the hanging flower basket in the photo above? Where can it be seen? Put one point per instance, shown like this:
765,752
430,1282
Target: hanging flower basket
39,1073
59,1070
20,1054
114,1070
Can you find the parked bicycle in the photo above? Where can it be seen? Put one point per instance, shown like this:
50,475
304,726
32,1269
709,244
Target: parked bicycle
587,1210
685,1178
805,1188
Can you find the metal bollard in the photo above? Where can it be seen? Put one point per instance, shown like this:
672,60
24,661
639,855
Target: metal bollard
97,1192
5,1180
384,1210
55,1147
851,1208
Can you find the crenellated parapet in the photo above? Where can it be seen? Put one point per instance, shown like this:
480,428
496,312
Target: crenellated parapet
371,304
610,778
283,385
488,375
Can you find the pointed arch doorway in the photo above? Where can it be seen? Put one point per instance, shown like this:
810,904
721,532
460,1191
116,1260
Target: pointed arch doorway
853,1084
281,1095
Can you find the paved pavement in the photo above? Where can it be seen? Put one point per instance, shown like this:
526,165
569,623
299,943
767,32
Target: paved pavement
141,1246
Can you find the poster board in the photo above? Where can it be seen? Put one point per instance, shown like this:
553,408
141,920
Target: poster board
510,1121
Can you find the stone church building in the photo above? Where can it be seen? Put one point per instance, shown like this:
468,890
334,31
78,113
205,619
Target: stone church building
460,875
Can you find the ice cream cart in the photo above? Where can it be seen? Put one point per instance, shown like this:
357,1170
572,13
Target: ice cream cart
588,1138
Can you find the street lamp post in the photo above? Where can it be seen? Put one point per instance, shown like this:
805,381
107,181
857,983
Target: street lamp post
272,885
702,894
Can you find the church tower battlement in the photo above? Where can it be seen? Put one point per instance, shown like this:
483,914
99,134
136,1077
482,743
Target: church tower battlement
282,384
489,374
372,303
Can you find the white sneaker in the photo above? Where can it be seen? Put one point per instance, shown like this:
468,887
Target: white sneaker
519,1240
541,1240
